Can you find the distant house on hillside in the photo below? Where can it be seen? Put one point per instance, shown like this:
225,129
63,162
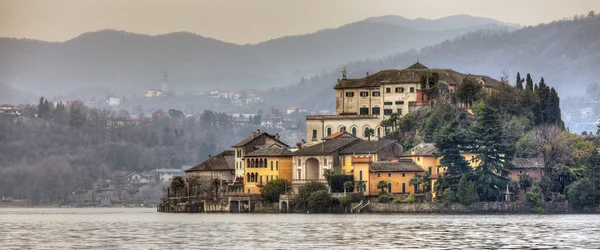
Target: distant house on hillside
10,109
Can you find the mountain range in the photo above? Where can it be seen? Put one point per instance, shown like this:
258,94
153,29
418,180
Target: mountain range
122,63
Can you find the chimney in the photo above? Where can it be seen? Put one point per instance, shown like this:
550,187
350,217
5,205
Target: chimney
277,136
303,143
298,145
422,144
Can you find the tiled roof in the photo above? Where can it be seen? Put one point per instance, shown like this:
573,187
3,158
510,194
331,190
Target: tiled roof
368,147
399,166
410,75
417,65
428,149
327,147
270,151
254,137
223,161
519,163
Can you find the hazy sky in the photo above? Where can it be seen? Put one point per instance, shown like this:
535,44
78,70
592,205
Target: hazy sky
251,21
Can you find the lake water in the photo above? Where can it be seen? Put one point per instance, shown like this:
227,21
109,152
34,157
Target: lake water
139,228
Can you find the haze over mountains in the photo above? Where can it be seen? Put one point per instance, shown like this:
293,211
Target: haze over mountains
121,63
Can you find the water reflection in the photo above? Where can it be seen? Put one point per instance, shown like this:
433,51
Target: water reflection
97,228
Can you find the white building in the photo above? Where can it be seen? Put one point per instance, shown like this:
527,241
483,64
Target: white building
167,174
114,101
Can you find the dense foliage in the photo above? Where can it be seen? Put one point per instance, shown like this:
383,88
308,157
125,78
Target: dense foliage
274,189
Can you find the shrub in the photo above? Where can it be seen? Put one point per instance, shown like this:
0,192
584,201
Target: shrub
357,197
301,200
409,199
582,194
346,201
448,196
384,198
538,210
319,202
274,189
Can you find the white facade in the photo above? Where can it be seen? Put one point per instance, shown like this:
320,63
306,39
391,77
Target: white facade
114,101
166,175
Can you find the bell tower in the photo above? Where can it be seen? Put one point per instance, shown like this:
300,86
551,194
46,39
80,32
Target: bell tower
165,84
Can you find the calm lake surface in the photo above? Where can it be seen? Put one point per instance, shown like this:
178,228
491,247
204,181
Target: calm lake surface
144,228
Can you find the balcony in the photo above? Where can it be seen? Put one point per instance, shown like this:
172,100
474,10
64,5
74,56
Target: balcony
306,181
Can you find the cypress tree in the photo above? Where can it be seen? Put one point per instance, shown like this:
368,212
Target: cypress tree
40,111
554,107
462,191
519,81
529,83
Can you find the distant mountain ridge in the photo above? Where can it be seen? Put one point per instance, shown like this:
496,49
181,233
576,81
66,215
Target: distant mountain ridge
124,63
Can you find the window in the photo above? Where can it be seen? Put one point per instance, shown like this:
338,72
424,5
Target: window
376,93
430,168
314,134
376,111
472,158
438,170
360,175
299,162
342,129
364,94
364,111
520,171
387,112
349,94
388,90
403,187
389,187
387,103
248,190
399,90
418,158
261,180
299,174
399,111
354,131
328,131
412,89
277,165
277,176
399,102
378,132
403,174
267,177
378,174
389,174
271,165
325,162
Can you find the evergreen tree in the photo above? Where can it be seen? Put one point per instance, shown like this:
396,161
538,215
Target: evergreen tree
450,142
40,111
554,109
77,118
529,83
493,153
466,191
519,81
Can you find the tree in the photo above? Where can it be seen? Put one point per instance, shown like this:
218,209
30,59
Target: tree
525,181
528,83
216,183
304,192
319,202
450,143
421,182
382,185
177,183
77,118
466,191
348,185
368,133
585,193
492,151
468,92
519,82
274,189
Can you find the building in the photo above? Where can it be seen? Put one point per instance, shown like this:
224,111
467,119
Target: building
166,88
113,101
167,174
311,163
382,150
424,156
10,109
250,144
153,93
534,167
396,174
363,103
136,178
265,164
219,167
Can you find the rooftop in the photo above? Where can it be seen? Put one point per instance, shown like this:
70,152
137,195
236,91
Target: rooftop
398,166
368,147
521,163
256,136
270,151
327,147
412,74
223,161
422,149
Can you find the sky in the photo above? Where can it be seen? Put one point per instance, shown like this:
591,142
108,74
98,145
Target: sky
252,21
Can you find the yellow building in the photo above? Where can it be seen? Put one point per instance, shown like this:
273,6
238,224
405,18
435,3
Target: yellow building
381,150
396,174
265,164
424,156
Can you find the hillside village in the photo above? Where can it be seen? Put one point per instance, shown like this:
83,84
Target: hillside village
363,148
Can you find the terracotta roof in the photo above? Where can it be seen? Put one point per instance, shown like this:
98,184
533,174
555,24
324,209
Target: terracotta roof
327,147
339,135
398,76
223,161
519,163
254,137
270,151
368,147
399,166
428,149
334,135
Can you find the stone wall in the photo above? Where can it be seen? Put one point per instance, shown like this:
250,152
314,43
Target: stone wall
456,208
260,207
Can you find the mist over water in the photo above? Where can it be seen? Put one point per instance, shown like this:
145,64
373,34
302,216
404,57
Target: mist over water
143,228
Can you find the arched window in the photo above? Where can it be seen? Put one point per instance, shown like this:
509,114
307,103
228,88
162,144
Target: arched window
325,162
364,110
354,131
328,131
248,177
342,129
